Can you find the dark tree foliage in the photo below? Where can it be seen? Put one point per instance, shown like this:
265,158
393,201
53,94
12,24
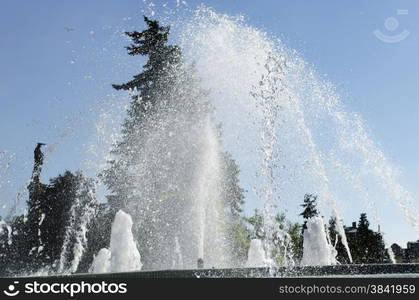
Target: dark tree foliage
61,195
366,246
310,208
29,243
98,235
51,218
151,42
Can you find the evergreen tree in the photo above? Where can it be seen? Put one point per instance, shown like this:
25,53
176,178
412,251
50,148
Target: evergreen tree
153,170
310,208
73,207
367,246
152,91
55,217
363,224
53,229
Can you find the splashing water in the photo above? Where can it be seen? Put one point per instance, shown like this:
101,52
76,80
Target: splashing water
123,255
285,126
261,91
255,68
75,239
317,249
267,93
256,257
208,206
5,227
175,180
302,119
101,262
178,260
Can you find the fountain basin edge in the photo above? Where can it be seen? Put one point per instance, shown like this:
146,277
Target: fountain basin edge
349,270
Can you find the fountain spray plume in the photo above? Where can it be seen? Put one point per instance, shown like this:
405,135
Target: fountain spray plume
208,201
123,255
312,123
280,120
166,171
267,95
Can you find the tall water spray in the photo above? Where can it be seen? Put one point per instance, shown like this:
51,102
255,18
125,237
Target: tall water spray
313,133
169,175
268,94
208,207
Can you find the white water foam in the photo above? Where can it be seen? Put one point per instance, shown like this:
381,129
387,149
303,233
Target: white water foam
256,256
317,249
123,255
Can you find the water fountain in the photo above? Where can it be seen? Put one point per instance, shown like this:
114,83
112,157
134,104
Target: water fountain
281,121
263,91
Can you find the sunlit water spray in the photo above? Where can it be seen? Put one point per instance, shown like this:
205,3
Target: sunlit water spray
308,123
284,124
209,214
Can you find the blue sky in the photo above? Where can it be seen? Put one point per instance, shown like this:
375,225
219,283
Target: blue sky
51,78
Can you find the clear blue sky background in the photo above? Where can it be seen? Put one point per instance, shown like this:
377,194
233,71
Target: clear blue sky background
50,78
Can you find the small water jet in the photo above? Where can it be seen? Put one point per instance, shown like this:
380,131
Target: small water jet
101,262
256,257
178,260
123,255
317,249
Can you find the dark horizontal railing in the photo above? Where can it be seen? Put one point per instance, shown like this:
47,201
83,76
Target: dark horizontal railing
338,270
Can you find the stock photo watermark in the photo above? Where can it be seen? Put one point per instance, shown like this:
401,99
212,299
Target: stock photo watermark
392,25
70,289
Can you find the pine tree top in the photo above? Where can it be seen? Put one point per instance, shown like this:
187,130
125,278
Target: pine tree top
363,223
153,43
150,40
309,205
